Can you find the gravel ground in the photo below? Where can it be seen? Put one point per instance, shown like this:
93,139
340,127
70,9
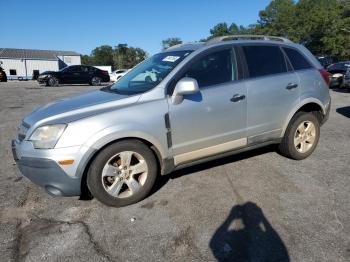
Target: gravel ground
256,206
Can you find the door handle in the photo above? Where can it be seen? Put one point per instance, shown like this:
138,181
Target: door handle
291,86
237,98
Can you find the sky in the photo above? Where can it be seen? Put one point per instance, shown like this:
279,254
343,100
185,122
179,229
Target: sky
81,26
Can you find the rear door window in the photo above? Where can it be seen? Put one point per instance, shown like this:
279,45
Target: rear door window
297,60
264,60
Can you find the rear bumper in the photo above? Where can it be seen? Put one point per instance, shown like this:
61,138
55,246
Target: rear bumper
47,174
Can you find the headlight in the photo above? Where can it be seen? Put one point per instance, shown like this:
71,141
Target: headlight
46,137
44,76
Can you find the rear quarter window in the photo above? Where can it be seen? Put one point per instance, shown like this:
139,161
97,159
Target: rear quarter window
297,60
264,60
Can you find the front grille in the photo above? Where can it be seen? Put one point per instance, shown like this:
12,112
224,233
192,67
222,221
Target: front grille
23,129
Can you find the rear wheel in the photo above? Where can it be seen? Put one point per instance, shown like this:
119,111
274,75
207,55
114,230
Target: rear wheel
301,136
123,173
96,81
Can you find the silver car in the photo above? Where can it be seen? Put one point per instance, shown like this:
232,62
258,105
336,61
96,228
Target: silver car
203,101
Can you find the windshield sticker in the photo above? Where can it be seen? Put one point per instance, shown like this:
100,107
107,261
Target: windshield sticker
170,58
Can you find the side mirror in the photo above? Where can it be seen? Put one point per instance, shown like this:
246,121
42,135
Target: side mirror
185,86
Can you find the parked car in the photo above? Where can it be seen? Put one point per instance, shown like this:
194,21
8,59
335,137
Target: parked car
325,61
117,74
206,100
337,72
346,80
76,74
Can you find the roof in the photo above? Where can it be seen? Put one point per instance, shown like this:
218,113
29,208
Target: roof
222,40
200,45
34,53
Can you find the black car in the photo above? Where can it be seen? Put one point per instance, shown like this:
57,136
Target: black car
340,67
76,74
325,61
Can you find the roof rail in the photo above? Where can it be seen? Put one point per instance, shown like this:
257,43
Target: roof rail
237,37
184,44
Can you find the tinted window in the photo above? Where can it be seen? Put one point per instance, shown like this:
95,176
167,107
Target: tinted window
298,61
13,72
213,69
85,69
74,69
264,60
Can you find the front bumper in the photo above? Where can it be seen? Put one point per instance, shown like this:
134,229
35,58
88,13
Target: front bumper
42,80
47,174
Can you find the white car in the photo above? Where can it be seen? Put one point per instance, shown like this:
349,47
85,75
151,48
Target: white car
116,74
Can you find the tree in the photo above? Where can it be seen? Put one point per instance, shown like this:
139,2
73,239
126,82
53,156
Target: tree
317,24
171,42
121,56
127,57
222,29
102,55
87,60
279,19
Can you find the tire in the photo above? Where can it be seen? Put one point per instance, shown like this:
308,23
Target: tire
53,81
290,146
122,186
96,81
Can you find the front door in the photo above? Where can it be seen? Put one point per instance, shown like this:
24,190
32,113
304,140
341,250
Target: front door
213,120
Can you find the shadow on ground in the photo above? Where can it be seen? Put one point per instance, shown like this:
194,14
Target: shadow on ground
341,90
246,235
345,111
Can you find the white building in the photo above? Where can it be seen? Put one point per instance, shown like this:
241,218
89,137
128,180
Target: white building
24,63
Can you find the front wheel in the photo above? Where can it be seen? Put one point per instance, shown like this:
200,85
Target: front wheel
301,136
53,81
122,173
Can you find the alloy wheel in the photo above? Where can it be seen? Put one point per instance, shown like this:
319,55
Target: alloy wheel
305,136
124,174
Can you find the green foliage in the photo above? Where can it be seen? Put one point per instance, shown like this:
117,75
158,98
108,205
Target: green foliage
121,56
102,55
223,29
323,26
317,24
171,42
127,57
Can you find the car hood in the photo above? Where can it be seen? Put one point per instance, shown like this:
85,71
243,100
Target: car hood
77,107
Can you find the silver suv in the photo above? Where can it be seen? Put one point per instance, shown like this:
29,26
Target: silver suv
191,103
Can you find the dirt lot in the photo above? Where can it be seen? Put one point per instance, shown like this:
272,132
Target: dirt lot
257,206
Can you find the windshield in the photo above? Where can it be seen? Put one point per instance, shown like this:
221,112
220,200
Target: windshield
149,73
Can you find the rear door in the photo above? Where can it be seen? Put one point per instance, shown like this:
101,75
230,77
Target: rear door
272,91
213,120
86,74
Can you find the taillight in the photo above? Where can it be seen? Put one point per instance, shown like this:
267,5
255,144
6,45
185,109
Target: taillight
325,75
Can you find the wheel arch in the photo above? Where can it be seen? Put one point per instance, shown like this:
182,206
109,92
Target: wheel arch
85,194
307,105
